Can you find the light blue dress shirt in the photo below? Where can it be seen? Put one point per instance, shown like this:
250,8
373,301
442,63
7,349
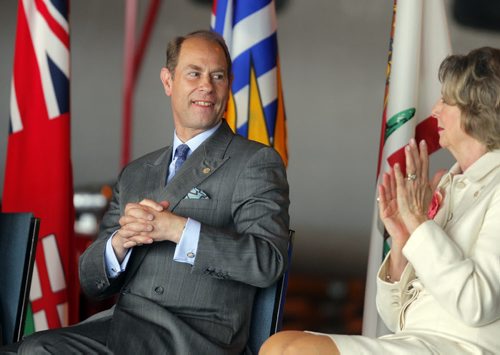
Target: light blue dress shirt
185,251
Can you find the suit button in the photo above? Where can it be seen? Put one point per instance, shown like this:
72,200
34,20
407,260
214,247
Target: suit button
159,290
100,284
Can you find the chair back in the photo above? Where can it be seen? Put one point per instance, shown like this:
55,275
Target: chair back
269,302
18,238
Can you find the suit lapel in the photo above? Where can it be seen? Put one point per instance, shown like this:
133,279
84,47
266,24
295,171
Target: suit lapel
204,161
156,175
154,183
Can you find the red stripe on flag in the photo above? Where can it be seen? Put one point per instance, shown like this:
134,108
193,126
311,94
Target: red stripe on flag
427,130
56,28
382,139
48,296
27,86
214,7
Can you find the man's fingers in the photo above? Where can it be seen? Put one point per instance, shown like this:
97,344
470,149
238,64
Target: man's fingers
140,212
152,204
137,241
134,225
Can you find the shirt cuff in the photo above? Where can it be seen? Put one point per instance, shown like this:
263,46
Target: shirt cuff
113,267
185,251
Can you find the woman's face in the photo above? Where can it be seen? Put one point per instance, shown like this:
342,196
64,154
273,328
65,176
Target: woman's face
451,133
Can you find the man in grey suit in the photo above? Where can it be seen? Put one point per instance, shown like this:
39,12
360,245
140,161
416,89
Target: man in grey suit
185,244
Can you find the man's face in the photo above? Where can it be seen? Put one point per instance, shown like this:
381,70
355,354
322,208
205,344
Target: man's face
199,88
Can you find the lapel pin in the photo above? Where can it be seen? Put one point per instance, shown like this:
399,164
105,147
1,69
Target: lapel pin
206,170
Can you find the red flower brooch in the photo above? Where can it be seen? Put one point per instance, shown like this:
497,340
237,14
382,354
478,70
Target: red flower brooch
436,200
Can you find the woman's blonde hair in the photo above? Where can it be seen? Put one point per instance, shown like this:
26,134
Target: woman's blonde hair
472,82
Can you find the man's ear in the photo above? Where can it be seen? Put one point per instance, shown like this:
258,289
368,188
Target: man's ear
166,80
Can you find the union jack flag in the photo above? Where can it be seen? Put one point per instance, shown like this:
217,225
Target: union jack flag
38,175
255,108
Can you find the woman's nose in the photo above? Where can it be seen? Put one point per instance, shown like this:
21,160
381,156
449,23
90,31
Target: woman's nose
437,108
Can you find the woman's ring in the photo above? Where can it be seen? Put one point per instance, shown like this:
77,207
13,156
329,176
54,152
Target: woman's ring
411,177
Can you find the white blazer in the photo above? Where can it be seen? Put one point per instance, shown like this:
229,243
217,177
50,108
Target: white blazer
448,298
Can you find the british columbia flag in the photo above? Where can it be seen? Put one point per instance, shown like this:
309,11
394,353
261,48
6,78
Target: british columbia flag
38,175
255,108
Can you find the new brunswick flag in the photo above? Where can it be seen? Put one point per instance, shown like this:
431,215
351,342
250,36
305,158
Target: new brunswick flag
255,108
38,174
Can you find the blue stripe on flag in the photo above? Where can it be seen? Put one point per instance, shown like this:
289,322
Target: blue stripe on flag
244,9
270,112
62,7
220,16
243,130
241,71
61,86
264,55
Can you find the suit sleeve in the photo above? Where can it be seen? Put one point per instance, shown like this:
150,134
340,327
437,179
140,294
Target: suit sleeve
391,296
92,269
254,249
465,285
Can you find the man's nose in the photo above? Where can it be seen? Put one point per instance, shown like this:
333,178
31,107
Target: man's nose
206,83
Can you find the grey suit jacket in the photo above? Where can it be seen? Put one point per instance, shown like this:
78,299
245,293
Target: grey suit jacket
175,308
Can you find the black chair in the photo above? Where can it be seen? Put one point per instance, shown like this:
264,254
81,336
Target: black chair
18,238
267,312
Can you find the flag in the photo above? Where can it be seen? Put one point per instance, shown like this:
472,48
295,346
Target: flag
255,109
38,175
419,43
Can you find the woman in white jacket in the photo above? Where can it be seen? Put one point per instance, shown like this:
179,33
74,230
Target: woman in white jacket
439,287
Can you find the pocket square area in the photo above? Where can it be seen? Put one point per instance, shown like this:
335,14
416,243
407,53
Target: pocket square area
196,194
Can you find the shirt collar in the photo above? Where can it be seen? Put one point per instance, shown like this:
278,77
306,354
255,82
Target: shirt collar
479,169
194,142
483,166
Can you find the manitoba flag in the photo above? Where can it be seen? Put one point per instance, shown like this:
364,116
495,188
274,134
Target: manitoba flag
38,174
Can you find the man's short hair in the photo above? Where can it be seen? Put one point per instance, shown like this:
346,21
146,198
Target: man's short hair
174,48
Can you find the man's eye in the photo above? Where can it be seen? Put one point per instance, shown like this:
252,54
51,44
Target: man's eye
218,76
193,74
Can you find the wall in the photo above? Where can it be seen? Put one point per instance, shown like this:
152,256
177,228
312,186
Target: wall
333,58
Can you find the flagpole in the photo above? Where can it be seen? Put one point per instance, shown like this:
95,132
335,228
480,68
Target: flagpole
133,57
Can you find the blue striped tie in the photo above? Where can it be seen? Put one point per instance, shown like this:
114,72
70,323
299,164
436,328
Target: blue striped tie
180,154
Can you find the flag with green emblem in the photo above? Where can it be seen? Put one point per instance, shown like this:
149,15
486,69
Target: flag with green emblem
419,42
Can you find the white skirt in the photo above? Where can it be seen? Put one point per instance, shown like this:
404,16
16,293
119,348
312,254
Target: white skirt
399,344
